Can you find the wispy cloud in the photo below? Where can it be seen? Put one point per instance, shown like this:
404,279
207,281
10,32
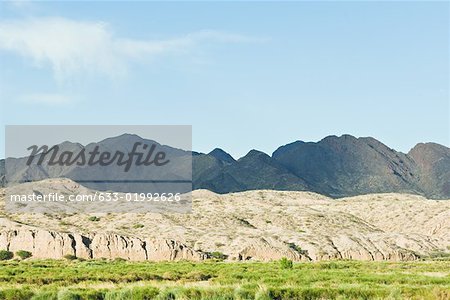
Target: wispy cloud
72,47
48,99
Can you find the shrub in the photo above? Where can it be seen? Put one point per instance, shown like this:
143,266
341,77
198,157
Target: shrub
286,263
217,255
137,226
94,219
23,254
6,255
70,257
171,275
198,276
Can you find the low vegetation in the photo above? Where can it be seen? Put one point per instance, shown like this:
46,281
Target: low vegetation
286,263
118,279
23,254
217,255
5,255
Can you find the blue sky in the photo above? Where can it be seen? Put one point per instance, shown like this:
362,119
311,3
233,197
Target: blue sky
245,75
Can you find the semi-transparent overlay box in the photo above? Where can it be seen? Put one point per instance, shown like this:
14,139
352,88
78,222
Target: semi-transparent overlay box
98,168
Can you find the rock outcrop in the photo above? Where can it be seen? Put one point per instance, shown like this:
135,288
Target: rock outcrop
56,245
264,250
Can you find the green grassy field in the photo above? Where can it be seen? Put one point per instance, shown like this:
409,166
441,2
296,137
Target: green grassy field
101,279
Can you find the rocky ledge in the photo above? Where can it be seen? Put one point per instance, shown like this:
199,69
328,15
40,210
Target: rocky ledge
56,245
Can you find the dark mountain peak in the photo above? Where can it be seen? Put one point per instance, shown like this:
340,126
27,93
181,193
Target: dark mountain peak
336,144
356,145
427,154
195,153
129,135
298,142
222,155
255,154
288,147
428,147
370,140
433,163
123,142
347,165
256,170
69,146
349,139
335,138
69,143
318,150
125,138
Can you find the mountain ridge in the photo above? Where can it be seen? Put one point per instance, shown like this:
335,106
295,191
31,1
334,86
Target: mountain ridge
336,166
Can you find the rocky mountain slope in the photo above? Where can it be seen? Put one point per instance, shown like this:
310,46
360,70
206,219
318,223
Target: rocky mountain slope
252,225
335,166
110,176
342,166
256,170
433,163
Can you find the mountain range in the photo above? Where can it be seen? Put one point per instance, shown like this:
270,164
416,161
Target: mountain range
335,166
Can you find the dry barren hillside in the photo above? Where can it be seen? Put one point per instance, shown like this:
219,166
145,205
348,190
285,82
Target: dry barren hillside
257,225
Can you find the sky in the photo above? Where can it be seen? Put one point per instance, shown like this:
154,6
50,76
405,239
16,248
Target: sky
253,75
